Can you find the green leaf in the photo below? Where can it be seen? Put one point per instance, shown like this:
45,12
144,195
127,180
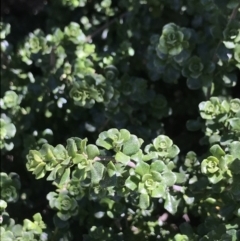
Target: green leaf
11,130
104,144
186,229
65,177
79,174
40,170
81,143
162,142
142,188
226,106
158,166
112,132
181,177
109,181
29,225
66,161
138,156
235,166
3,205
60,152
51,196
171,204
132,146
92,151
78,158
236,185
225,161
121,157
37,217
234,149
59,223
71,147
176,50
171,165
156,176
144,201
210,165
194,84
235,123
173,151
229,45
215,178
151,155
18,229
53,174
97,171
181,237
235,106
47,151
111,169
217,151
132,183
125,134
142,168
159,191
101,141
168,178
213,139
230,79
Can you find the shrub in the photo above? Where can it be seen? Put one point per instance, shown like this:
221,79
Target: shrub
120,120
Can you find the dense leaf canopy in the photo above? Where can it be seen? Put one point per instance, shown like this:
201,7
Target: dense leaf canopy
120,120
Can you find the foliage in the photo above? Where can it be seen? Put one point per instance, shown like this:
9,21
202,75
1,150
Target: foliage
120,120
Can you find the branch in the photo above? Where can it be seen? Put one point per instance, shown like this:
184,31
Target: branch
110,158
233,15
106,25
104,125
163,218
178,188
186,217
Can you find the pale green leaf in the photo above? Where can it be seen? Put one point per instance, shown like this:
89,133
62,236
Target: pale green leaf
171,204
121,157
144,201
142,168
97,171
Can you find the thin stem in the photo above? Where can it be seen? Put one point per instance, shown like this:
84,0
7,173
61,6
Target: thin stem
163,218
178,188
110,158
186,217
233,15
106,25
131,164
104,158
104,125
54,235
